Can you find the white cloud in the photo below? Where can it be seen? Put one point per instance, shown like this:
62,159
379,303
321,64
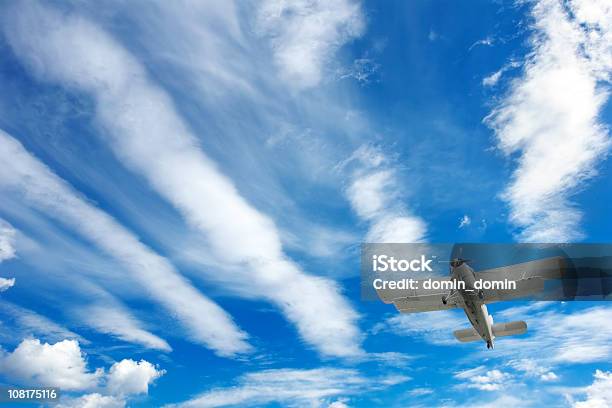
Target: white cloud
598,394
492,79
484,380
374,194
22,322
205,321
549,377
535,369
292,387
465,221
7,240
487,42
63,365
77,53
550,117
433,327
112,319
338,404
94,400
6,284
129,377
362,70
58,365
569,338
7,251
305,34
419,392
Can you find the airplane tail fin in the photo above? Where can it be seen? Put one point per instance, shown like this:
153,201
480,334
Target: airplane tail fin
499,330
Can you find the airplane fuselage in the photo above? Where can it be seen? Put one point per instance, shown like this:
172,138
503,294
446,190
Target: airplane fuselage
473,304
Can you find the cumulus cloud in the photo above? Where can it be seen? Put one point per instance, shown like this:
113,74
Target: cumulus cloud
64,365
304,34
598,394
205,321
129,377
139,121
293,387
57,365
550,117
374,194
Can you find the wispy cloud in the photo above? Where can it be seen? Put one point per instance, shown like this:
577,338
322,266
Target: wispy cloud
305,34
6,284
204,320
486,42
22,323
114,320
7,251
549,118
535,369
493,79
569,338
7,240
464,221
374,194
483,379
432,327
140,122
290,387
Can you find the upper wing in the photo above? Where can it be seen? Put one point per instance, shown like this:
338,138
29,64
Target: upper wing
416,300
529,277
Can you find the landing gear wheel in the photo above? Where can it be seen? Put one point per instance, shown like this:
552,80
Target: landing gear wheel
489,345
480,295
444,301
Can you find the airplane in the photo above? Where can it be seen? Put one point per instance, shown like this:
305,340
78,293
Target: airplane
529,276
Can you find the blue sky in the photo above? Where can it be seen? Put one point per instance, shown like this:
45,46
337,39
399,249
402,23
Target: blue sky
185,187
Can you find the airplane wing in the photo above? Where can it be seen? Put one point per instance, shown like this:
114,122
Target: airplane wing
417,300
428,303
529,277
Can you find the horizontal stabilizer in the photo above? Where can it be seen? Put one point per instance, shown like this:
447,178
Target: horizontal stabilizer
499,330
509,329
466,335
